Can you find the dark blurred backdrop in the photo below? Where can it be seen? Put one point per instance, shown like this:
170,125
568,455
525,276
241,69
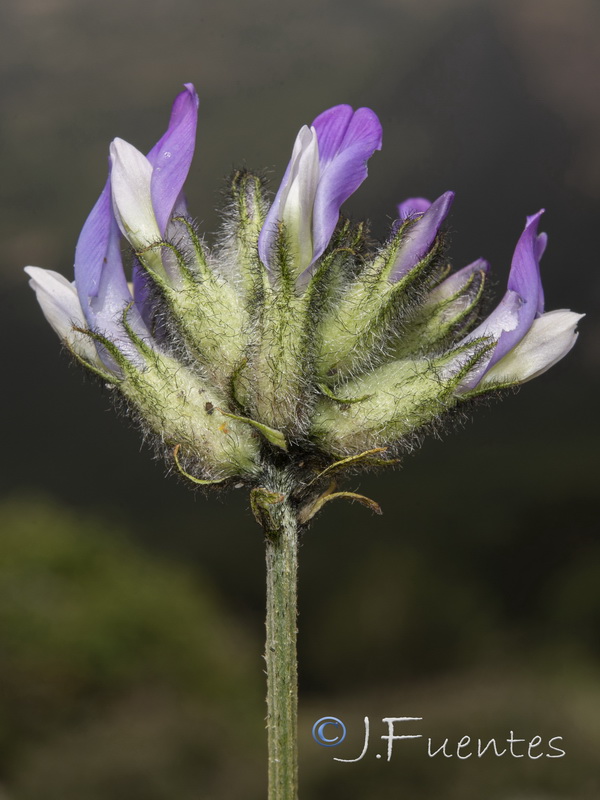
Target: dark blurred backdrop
131,610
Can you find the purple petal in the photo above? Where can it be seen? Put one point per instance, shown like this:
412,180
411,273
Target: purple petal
541,244
525,280
540,248
505,317
268,232
420,236
346,142
99,276
100,279
412,206
172,155
331,127
523,302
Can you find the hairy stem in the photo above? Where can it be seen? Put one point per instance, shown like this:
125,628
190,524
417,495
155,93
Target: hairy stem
281,528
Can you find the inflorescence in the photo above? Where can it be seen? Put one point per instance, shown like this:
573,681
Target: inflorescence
292,341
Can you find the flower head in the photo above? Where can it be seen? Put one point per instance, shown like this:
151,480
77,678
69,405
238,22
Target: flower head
329,162
290,341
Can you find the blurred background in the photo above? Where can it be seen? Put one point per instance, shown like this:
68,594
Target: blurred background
131,610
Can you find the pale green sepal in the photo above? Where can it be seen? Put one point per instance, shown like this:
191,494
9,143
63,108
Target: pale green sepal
150,259
487,389
275,378
280,373
123,363
356,330
351,317
200,262
341,260
238,252
192,478
378,270
348,400
271,435
179,407
178,261
204,306
169,266
406,395
108,377
435,322
211,320
142,346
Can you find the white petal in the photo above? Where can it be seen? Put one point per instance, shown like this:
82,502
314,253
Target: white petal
299,198
59,301
550,337
130,180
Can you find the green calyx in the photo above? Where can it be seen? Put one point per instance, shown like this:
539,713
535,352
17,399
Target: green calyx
371,310
400,398
440,320
181,409
175,403
202,304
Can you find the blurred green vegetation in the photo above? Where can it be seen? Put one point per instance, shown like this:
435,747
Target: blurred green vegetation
120,675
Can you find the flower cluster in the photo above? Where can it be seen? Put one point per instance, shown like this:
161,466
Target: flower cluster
291,339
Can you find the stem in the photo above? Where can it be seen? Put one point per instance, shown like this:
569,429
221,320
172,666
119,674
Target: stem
282,671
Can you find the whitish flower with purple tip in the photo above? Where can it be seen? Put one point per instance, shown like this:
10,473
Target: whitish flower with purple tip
329,162
290,342
527,340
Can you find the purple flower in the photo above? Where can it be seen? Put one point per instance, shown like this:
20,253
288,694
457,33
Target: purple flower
421,234
138,200
147,190
329,162
527,340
